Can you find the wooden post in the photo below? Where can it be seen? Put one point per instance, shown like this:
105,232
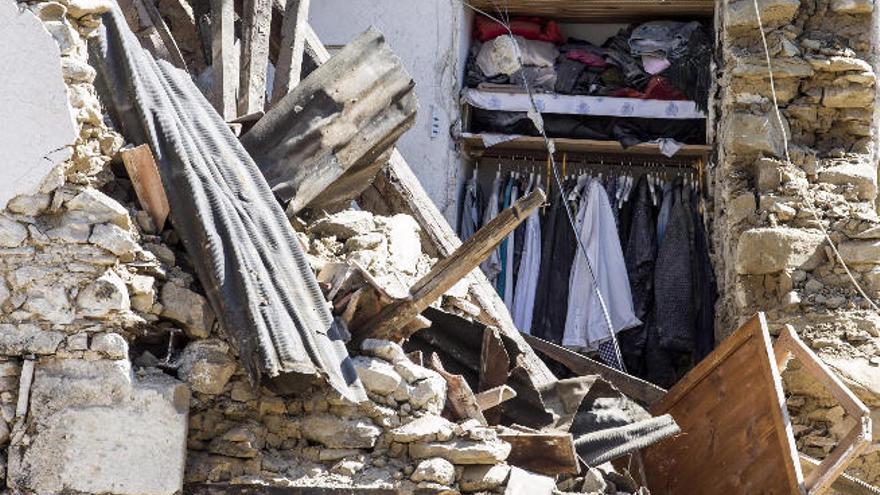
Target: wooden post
223,58
256,23
448,271
293,36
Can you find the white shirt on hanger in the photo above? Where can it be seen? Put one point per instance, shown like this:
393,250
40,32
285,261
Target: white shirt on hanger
585,325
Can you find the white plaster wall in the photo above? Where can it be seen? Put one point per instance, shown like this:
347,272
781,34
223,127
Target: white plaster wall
430,37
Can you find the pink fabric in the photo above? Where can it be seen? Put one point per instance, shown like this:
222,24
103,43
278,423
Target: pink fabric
654,65
587,58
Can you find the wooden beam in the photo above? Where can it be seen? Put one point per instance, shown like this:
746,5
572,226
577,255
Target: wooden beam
449,271
544,453
255,25
223,58
152,36
494,397
147,184
293,38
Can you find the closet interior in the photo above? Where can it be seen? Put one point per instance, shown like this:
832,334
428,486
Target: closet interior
616,265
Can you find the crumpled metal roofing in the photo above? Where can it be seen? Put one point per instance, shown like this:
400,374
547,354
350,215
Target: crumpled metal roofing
244,250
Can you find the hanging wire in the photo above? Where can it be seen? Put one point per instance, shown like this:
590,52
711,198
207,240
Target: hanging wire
807,198
538,120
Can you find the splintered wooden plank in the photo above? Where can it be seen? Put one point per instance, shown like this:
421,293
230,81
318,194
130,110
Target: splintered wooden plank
147,183
545,453
293,40
255,26
460,399
449,271
224,58
736,434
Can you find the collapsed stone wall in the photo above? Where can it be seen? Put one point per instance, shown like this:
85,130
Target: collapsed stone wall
771,253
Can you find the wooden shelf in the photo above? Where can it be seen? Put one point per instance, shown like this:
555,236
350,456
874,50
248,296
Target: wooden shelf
597,11
473,144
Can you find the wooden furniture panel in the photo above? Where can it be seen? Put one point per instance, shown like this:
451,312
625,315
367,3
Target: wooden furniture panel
736,431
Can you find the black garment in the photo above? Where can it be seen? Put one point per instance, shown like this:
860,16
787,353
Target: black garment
557,256
640,254
691,73
673,279
705,292
618,51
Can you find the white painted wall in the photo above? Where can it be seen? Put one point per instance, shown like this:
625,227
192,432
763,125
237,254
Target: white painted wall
431,39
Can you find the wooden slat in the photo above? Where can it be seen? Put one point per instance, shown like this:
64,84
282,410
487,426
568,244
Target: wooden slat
223,58
545,453
494,397
736,434
474,145
147,184
449,271
820,480
255,26
293,39
845,484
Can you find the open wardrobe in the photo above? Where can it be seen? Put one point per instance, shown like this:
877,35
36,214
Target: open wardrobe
617,264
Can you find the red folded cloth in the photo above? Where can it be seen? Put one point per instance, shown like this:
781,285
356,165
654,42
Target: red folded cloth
658,88
589,59
530,28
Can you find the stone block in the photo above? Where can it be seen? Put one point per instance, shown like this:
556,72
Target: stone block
838,64
95,430
852,6
188,308
741,13
110,344
345,224
427,428
769,250
103,297
18,340
483,478
768,174
435,470
92,206
377,375
114,239
38,126
49,303
861,174
462,451
384,349
12,233
848,96
749,134
340,433
206,366
404,243
860,252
